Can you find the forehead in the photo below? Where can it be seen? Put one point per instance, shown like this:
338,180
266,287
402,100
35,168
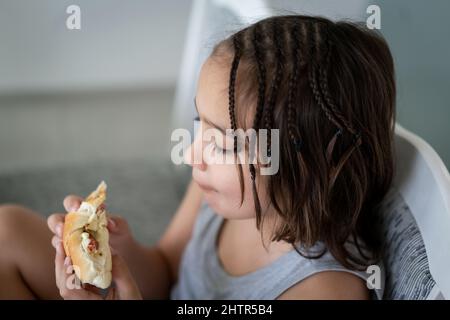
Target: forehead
212,94
212,91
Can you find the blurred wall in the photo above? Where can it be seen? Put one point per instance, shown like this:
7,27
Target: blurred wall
65,93
418,33
102,93
121,44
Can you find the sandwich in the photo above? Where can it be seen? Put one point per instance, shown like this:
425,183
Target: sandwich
86,240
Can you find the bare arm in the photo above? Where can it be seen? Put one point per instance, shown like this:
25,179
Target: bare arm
156,268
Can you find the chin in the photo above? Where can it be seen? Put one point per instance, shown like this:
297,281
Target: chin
224,208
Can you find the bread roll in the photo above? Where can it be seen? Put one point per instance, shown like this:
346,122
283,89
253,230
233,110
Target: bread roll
86,240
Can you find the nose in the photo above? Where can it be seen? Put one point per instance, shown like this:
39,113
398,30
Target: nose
194,153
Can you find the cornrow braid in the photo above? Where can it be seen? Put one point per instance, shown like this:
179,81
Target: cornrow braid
259,110
232,85
232,99
279,57
261,76
312,76
291,118
323,80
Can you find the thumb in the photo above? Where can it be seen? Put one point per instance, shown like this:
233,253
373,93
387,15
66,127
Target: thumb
72,203
125,286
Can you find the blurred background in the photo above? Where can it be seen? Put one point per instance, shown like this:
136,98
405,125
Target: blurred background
79,106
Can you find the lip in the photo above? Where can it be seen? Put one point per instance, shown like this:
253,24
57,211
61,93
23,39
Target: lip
204,187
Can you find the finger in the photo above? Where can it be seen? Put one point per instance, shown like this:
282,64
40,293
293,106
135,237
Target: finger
59,264
55,223
72,203
66,280
125,285
56,241
116,224
112,225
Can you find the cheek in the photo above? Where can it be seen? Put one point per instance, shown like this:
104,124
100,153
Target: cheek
228,199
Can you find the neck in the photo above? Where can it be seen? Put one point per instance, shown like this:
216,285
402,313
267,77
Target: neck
262,236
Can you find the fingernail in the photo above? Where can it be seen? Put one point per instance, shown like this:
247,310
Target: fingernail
67,261
112,223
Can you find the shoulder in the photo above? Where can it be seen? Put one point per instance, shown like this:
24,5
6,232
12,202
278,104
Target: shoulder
328,285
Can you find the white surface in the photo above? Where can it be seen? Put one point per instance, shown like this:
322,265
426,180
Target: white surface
424,183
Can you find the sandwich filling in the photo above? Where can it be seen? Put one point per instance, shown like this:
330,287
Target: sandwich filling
88,243
96,221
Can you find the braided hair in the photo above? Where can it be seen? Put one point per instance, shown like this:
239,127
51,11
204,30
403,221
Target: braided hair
288,62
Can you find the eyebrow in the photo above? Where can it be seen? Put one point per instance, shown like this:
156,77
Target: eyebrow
208,121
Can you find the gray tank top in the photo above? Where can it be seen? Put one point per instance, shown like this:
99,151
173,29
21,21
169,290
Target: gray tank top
201,274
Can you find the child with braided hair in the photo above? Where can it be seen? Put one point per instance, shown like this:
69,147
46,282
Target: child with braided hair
329,89
307,230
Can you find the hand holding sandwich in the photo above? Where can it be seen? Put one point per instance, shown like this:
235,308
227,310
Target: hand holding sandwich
83,240
125,287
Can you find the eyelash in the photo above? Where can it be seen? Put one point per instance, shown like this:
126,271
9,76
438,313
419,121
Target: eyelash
222,151
219,149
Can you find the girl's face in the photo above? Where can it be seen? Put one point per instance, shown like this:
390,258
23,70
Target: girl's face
219,181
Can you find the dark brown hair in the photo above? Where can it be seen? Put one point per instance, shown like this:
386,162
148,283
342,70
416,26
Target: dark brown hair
329,88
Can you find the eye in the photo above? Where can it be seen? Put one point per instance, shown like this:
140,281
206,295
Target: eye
222,150
219,149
